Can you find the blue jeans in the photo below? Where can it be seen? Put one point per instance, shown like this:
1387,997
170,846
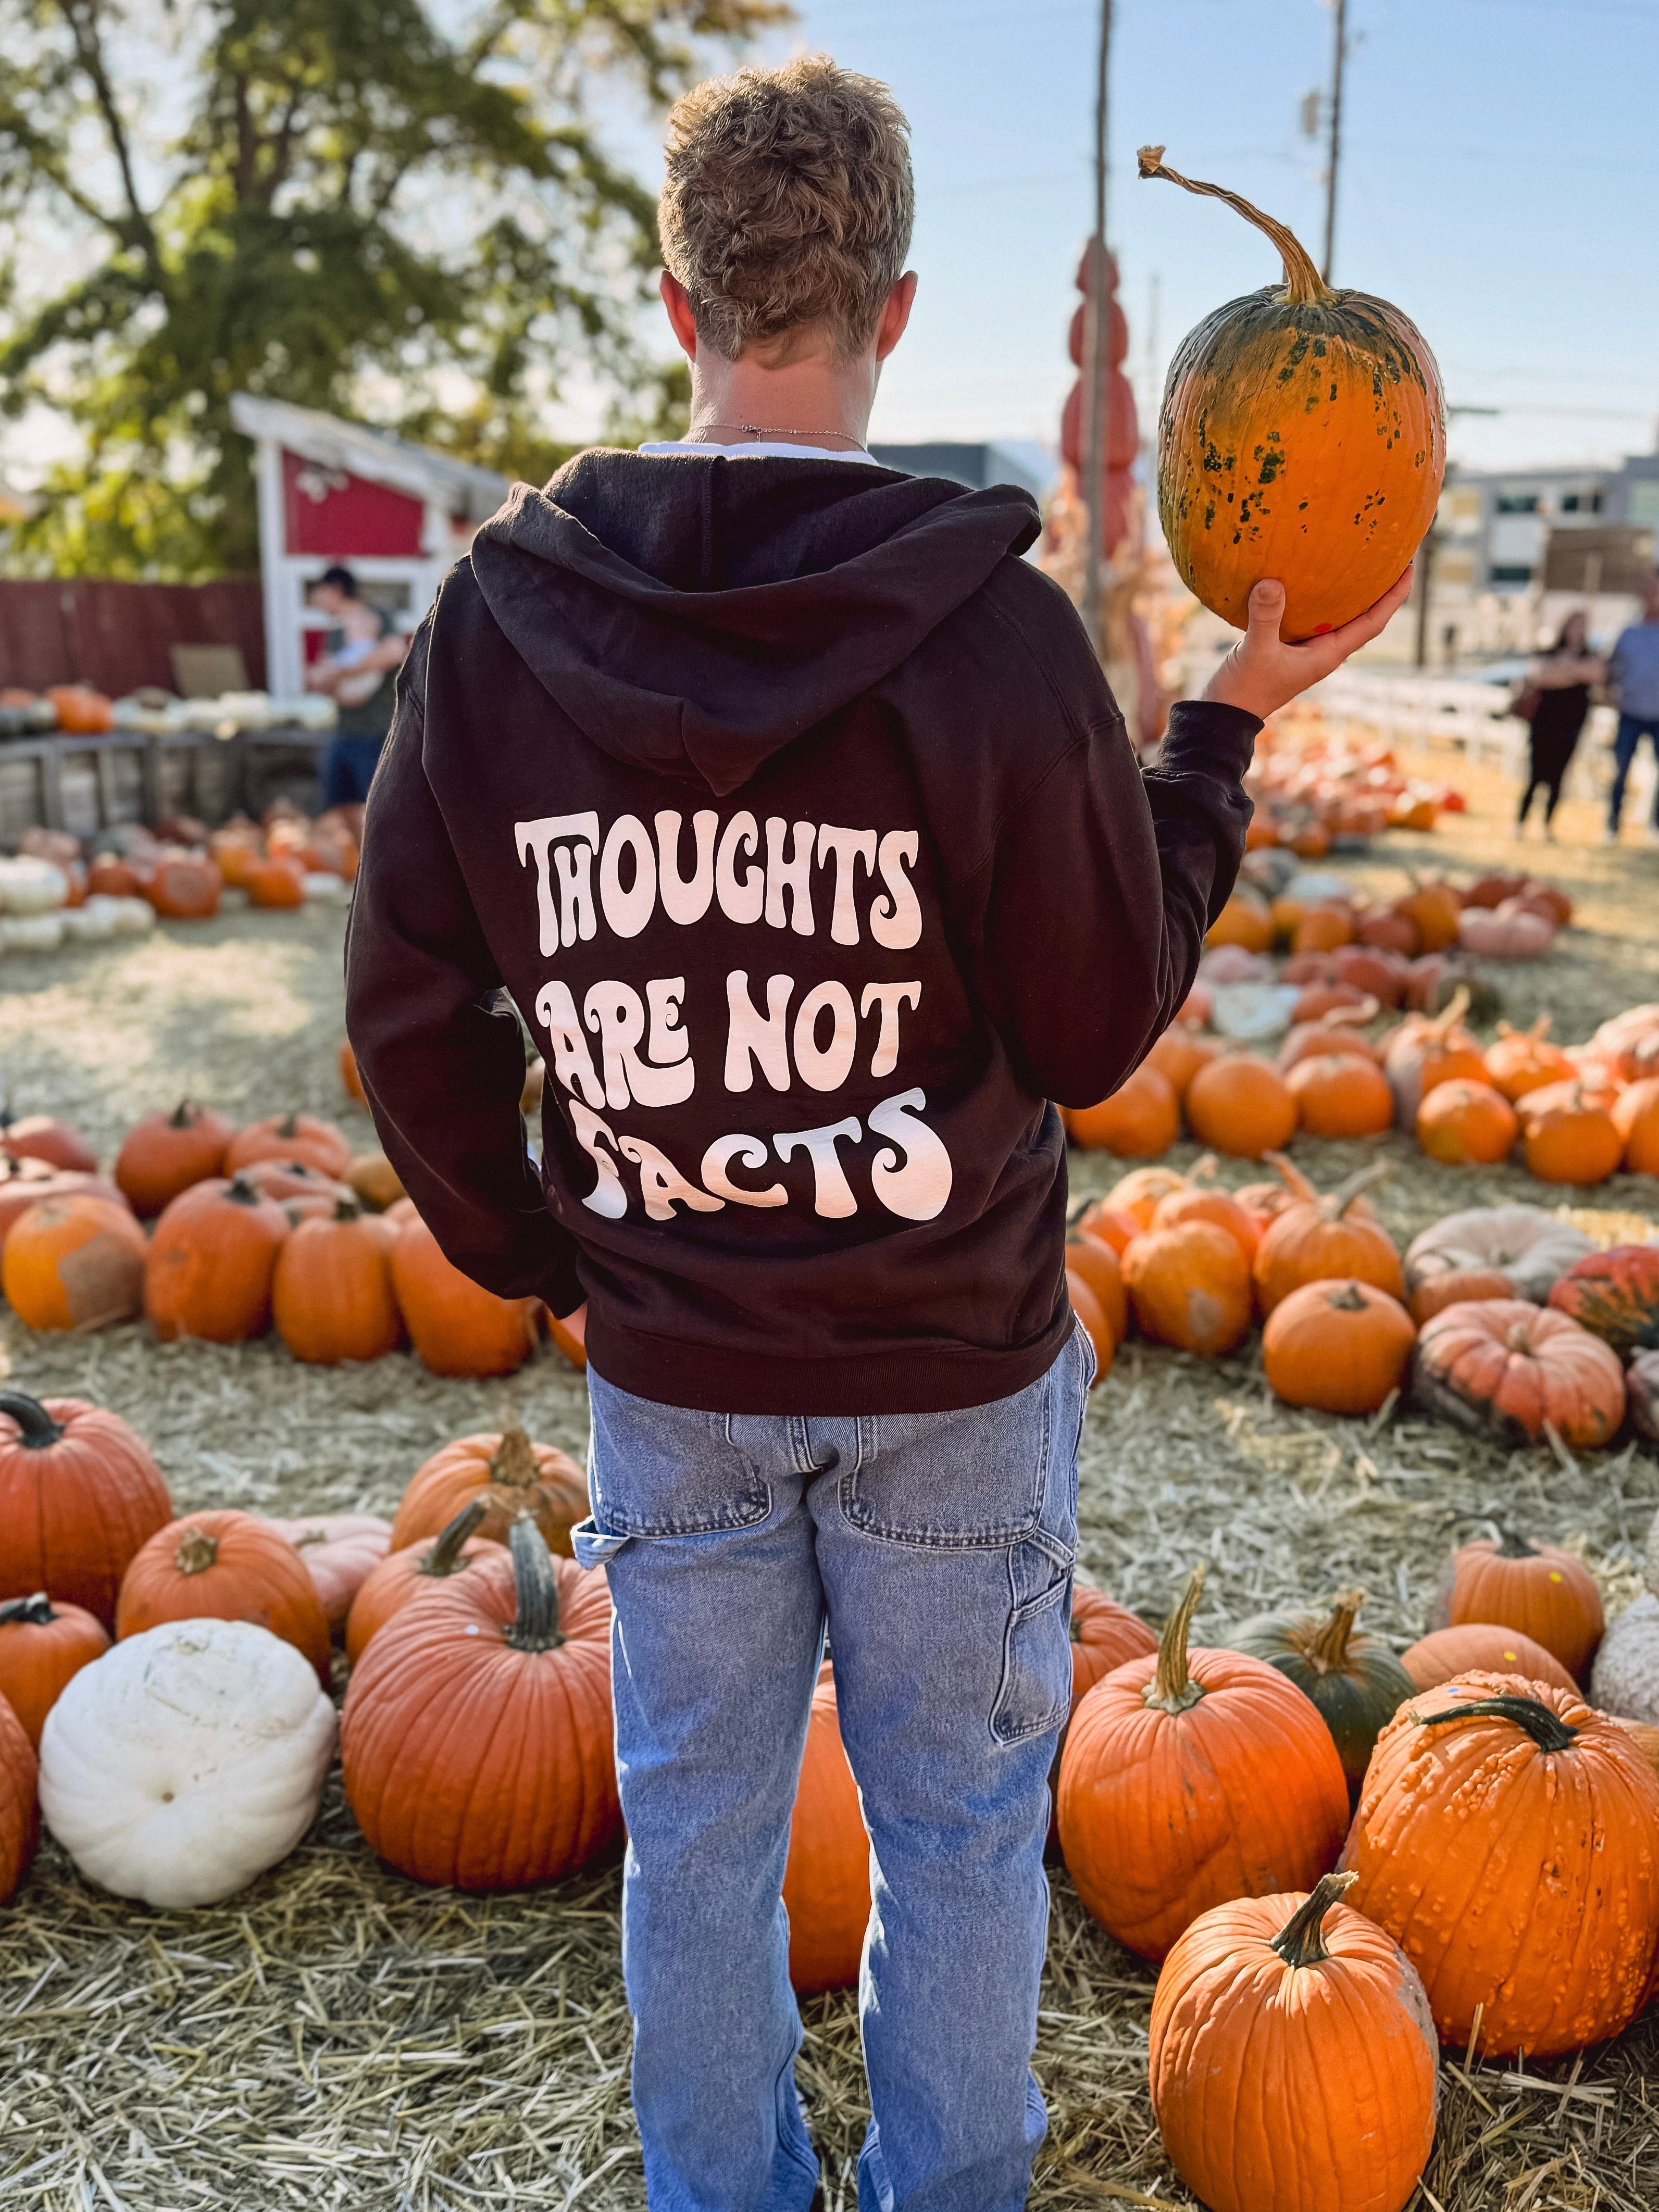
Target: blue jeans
348,766
1632,728
937,1549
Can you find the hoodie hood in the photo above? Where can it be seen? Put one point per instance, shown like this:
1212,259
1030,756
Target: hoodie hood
693,614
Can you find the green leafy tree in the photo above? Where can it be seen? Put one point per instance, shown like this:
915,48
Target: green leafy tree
399,210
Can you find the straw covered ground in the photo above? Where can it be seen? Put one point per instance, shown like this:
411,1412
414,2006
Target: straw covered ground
335,2036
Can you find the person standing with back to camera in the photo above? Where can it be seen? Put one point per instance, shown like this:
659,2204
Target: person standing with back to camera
793,807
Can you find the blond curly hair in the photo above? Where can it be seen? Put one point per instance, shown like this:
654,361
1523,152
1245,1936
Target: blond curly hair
787,207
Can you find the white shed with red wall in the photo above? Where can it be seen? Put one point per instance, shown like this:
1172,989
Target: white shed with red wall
398,515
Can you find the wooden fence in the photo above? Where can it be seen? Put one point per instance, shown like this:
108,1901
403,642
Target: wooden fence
118,637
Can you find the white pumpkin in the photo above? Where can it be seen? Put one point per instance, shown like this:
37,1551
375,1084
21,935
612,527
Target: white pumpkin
130,917
90,924
30,885
1533,1247
186,1760
1624,1678
32,933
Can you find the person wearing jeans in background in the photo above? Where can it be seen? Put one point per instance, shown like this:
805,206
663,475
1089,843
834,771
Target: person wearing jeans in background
792,807
1633,673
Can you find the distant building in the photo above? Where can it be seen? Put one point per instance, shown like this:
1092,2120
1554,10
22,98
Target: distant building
1022,464
1495,525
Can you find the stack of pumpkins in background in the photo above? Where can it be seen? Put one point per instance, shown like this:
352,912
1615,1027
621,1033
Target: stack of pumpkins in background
1508,1321
1313,788
276,1225
178,871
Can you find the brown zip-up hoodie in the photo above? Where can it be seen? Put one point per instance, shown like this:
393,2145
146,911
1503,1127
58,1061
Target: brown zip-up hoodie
792,809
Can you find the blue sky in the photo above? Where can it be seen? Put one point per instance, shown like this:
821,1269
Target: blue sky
1499,183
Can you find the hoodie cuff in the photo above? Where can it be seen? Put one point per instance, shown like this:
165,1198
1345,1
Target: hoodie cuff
1205,733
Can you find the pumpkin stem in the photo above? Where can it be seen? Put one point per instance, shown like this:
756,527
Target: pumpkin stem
535,1623
1292,1177
1329,1649
1172,1689
1548,1730
1349,1299
241,1192
36,1429
196,1553
36,1610
513,1459
1301,1940
1450,1015
1337,1204
346,1209
289,1125
445,1557
1303,285
183,1115
1511,1547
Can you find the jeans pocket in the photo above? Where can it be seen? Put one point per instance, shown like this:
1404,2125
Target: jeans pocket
971,1479
595,1547
1036,1693
667,1471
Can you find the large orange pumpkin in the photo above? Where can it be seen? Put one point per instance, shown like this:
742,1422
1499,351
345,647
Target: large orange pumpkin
1190,1286
1339,1095
1104,1635
74,1263
41,1646
1342,1348
225,1566
387,1588
1292,2058
20,1802
330,1295
1568,1135
1334,1238
211,1261
1141,1118
1462,1124
476,1739
1240,1105
1302,437
79,1497
1444,1652
514,1478
1502,1365
166,1154
305,1137
456,1326
1506,1843
1538,1589
1191,1777
826,1879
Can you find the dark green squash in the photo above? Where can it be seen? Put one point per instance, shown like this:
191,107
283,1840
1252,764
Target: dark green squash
1355,1680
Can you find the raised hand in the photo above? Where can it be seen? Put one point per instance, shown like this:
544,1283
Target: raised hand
1263,673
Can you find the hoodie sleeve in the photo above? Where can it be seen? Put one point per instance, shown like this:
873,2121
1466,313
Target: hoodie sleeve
438,1044
1103,882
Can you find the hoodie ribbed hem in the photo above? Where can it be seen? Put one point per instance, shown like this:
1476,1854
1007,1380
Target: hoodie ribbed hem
914,1379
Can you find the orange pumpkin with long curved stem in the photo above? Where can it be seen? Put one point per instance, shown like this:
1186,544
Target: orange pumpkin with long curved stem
401,1574
1302,437
1328,1239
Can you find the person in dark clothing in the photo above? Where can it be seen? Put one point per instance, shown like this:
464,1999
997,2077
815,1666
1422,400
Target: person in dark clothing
792,807
359,672
1563,677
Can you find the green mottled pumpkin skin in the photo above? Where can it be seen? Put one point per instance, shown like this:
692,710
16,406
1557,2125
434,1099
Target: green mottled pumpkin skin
1302,443
1356,1699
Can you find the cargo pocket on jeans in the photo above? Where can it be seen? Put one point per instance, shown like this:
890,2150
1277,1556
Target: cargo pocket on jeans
1035,1691
595,1547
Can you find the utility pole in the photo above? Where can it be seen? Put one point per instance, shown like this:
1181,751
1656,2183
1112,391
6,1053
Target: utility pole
1338,61
1096,323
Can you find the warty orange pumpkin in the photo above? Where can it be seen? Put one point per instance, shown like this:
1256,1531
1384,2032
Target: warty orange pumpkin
1292,2058
476,1741
1458,1286
1302,437
1190,1778
1506,1843
225,1566
80,1496
1538,1589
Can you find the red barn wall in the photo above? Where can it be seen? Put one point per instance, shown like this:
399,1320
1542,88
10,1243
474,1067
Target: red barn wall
116,636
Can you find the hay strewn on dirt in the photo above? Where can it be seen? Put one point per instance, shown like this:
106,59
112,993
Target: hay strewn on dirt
335,2036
